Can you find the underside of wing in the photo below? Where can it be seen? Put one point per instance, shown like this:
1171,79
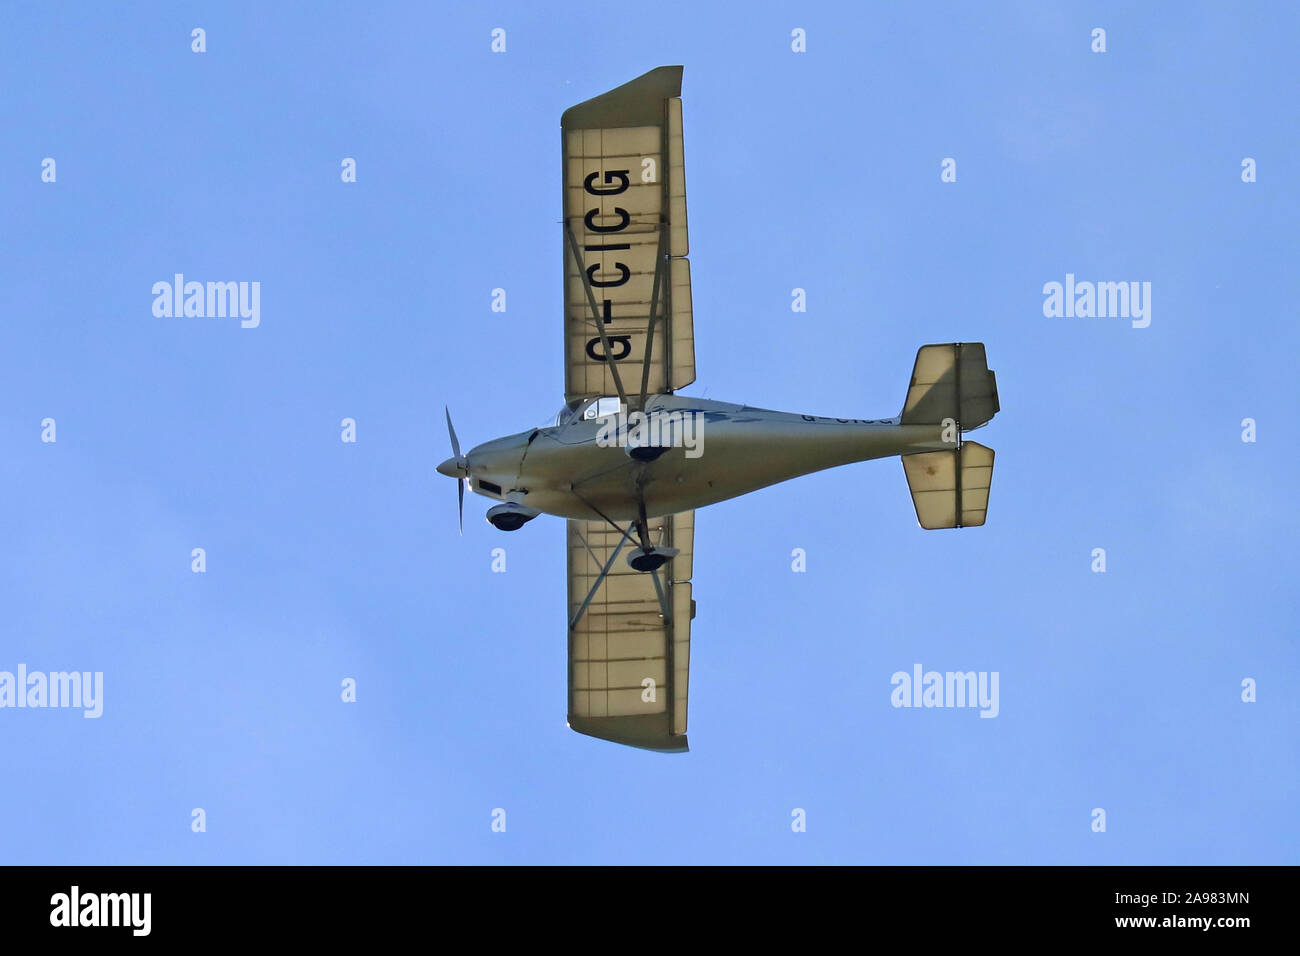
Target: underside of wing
630,635
627,284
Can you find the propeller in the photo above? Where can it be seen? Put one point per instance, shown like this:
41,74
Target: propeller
456,467
451,430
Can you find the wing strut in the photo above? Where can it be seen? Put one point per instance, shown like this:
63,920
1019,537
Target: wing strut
661,270
601,577
661,267
595,312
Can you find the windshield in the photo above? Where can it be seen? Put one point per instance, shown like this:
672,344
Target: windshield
584,409
563,416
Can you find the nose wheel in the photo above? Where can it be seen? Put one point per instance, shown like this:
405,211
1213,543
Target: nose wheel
510,516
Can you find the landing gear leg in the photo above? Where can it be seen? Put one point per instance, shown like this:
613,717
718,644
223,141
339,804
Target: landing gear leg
642,526
647,557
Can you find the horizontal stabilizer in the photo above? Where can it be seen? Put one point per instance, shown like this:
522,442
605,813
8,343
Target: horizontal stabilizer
950,489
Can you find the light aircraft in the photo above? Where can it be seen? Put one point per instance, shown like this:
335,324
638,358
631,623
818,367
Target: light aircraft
627,461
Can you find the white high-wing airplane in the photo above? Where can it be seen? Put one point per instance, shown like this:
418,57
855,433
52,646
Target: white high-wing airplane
627,462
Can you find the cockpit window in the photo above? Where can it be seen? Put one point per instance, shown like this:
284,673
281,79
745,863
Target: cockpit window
564,414
601,407
584,409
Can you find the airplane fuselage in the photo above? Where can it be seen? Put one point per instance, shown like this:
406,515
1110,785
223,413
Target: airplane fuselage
577,470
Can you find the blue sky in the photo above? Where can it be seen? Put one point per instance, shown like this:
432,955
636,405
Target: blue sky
818,170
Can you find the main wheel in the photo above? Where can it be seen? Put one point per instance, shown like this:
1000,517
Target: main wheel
647,560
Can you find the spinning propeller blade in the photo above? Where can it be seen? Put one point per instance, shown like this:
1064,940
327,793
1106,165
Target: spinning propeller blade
455,445
456,467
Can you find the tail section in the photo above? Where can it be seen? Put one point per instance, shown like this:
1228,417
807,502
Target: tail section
950,489
952,385
951,381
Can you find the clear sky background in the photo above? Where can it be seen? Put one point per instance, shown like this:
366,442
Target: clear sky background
818,170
